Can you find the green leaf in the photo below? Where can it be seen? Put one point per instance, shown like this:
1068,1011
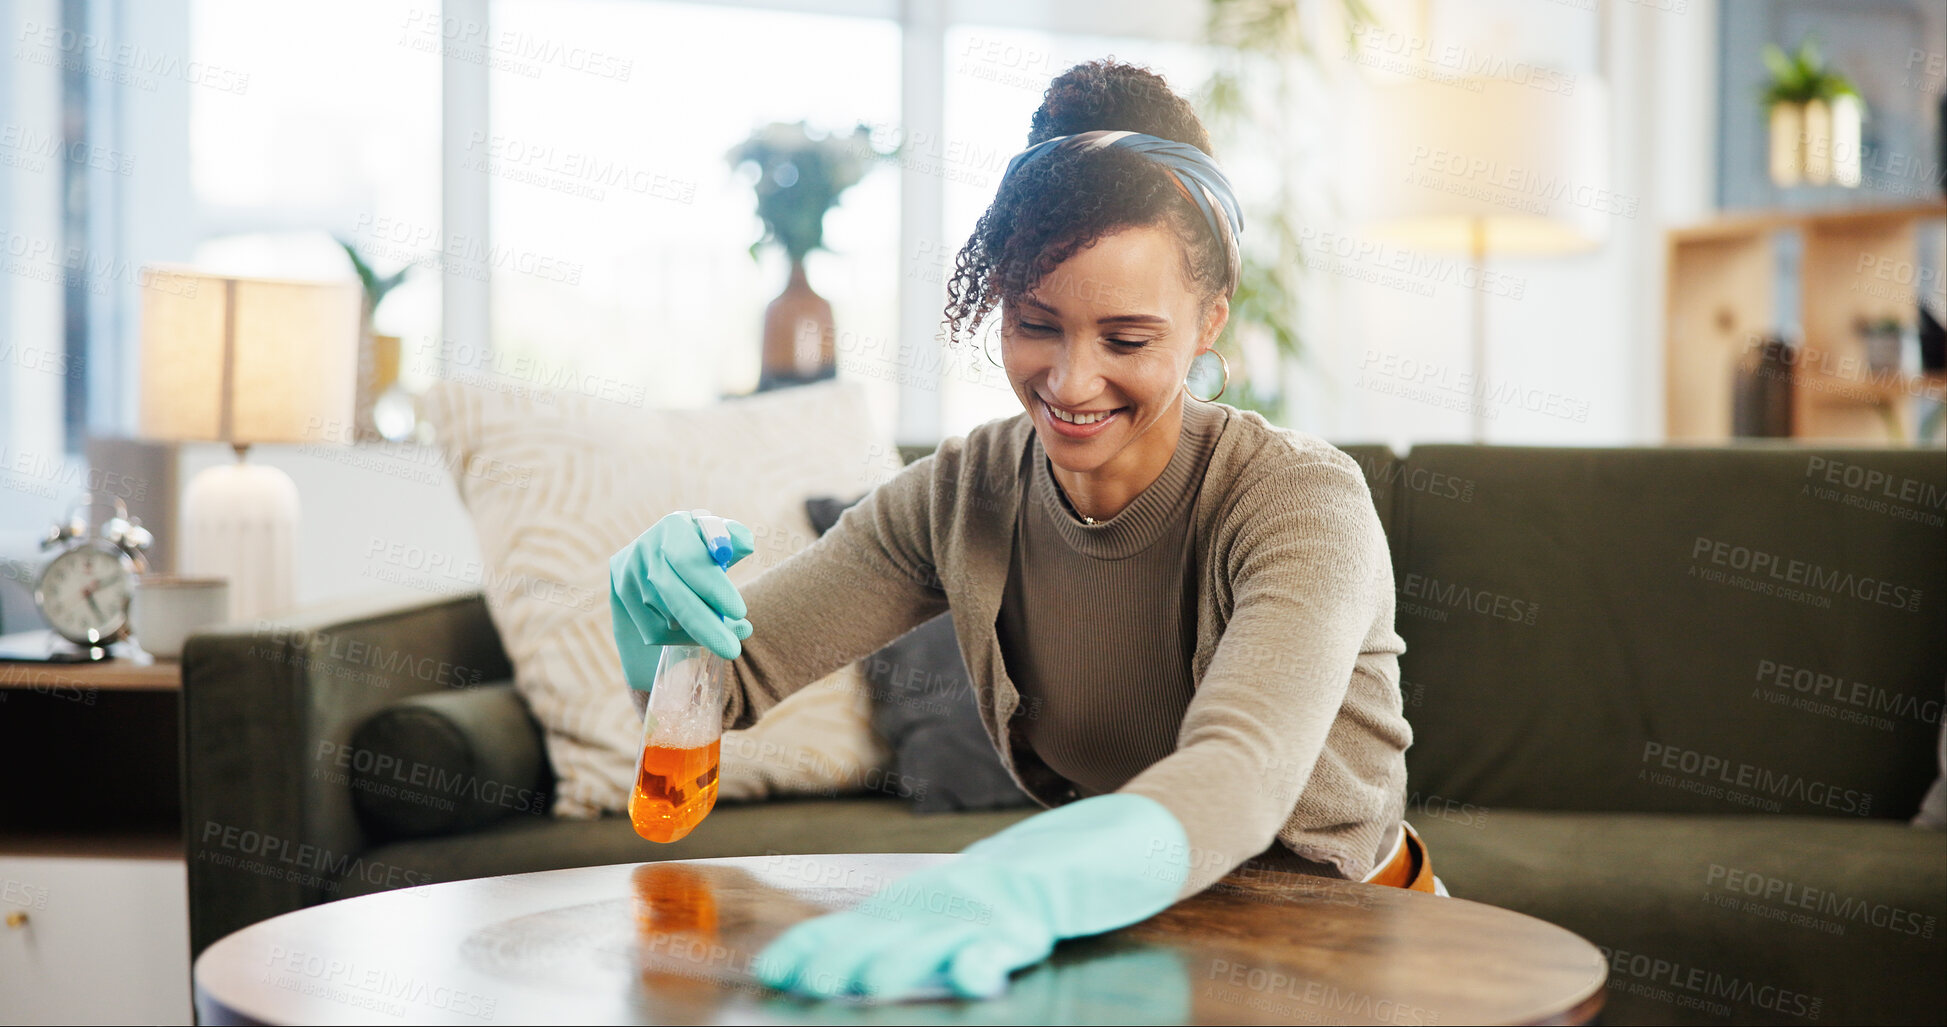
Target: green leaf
1808,56
364,270
801,176
385,285
374,286
1801,76
1262,43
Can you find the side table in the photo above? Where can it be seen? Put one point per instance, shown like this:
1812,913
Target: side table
94,904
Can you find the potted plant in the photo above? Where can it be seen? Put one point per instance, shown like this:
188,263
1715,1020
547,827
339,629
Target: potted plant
798,178
378,360
1815,114
1267,51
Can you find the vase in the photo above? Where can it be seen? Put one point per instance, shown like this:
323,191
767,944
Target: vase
1847,161
1817,146
1761,392
378,371
1787,143
798,336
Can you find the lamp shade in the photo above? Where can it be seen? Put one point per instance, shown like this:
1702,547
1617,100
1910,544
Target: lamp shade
248,360
1490,164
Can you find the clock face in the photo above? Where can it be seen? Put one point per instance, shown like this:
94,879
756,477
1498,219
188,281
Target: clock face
84,594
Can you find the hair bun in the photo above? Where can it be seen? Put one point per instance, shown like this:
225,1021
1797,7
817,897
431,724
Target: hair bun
1108,95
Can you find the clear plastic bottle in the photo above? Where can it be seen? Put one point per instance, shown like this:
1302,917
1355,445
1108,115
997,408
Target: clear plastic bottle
682,732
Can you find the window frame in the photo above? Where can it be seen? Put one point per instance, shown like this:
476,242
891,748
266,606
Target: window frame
923,25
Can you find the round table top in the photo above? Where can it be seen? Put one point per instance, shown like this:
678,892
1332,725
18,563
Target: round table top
671,942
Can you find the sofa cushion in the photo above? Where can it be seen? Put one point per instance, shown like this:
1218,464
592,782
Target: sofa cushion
521,844
819,742
555,484
444,762
1718,630
923,706
1715,919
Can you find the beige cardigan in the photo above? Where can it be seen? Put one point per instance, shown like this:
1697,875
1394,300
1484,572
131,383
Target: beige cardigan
1295,732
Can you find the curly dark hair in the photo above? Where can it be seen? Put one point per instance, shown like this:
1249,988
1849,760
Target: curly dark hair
1067,200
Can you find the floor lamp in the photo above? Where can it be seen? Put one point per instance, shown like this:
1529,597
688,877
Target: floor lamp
1490,167
244,361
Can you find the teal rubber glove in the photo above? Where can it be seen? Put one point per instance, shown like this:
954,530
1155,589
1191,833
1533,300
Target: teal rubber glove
1116,983
962,927
666,589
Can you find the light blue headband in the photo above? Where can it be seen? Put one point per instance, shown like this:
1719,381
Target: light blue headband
1192,169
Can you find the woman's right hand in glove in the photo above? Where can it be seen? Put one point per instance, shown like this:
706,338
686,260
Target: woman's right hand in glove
664,589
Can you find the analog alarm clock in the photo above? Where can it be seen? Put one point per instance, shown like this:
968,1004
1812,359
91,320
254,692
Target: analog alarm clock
84,590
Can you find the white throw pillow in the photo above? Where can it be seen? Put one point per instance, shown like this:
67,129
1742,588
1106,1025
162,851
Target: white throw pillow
557,483
817,742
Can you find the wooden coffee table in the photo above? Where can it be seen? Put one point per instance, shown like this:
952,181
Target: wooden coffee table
670,943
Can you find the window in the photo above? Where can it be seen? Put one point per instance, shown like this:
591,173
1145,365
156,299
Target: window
613,238
624,231
337,136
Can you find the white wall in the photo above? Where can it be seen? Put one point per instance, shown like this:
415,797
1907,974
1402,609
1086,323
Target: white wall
1584,331
376,520
32,363
137,183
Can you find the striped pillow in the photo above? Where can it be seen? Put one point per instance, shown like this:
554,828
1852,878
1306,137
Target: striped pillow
556,483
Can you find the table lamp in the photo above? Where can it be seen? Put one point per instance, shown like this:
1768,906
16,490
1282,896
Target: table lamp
1481,165
243,361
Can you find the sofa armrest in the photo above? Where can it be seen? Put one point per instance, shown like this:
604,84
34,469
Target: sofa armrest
447,762
267,815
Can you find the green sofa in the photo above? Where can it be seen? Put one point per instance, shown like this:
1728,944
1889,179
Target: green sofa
1681,701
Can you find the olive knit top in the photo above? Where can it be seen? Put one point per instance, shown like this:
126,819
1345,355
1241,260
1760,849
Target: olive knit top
1223,645
1098,621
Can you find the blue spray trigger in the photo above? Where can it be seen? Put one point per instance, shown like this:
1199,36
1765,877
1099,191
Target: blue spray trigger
716,537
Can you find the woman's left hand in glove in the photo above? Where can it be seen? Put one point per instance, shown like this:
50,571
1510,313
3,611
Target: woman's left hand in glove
962,927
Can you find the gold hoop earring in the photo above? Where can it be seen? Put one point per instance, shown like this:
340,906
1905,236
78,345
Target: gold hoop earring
1221,363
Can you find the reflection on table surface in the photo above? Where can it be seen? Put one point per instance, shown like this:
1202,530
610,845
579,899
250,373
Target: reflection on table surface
674,942
689,952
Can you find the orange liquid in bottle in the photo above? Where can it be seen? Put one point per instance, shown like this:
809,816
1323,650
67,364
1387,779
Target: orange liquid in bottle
674,790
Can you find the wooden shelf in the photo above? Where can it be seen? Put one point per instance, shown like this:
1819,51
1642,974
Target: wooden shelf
1742,225
99,767
158,843
1719,305
106,676
1826,387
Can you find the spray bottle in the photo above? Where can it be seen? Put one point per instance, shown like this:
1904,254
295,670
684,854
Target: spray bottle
682,729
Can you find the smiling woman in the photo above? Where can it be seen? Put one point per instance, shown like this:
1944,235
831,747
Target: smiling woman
1110,251
1100,371
1178,618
